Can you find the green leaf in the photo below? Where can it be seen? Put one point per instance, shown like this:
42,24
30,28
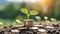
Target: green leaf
24,10
33,12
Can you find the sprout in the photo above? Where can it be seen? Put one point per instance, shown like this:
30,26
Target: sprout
38,18
45,18
28,13
53,19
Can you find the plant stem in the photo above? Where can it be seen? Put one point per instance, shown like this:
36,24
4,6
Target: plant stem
28,16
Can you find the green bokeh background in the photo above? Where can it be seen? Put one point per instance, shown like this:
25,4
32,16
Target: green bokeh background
11,11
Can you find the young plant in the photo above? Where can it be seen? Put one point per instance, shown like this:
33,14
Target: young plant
38,18
28,13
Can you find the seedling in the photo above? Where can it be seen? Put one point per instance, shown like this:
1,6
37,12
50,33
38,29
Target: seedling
28,13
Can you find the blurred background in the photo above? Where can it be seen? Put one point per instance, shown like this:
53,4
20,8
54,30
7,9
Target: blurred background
10,9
